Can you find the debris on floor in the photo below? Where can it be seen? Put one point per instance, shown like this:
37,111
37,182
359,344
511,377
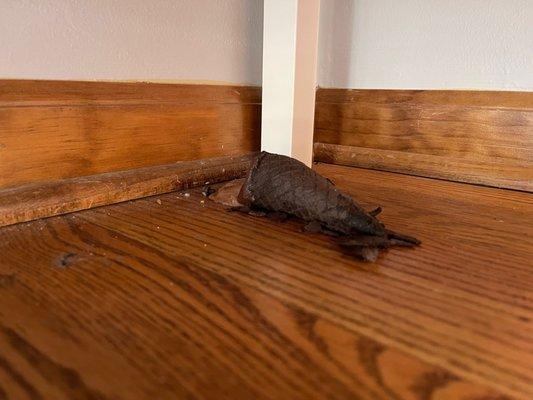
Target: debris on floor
227,194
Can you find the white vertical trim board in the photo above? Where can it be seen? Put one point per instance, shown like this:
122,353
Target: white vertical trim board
290,41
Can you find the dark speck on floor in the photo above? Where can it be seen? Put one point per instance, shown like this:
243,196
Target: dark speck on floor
65,260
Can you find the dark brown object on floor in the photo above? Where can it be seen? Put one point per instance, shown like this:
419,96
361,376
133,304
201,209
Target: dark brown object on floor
33,201
182,299
281,184
480,137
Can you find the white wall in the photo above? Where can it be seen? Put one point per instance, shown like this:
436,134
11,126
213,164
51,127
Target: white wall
219,40
426,44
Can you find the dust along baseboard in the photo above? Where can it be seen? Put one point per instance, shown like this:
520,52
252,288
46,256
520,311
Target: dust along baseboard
476,137
66,146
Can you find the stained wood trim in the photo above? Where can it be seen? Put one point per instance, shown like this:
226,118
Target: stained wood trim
33,201
467,136
503,174
52,130
79,93
470,98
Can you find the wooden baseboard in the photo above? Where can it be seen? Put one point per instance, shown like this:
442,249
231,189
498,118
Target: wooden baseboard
497,174
467,136
63,144
33,201
54,130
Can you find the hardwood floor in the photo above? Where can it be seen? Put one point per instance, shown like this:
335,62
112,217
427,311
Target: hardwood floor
174,297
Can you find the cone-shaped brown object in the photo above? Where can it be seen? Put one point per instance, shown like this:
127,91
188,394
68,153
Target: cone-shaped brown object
282,184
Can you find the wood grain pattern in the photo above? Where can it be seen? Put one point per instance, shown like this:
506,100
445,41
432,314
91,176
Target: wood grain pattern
61,130
40,200
497,173
182,299
476,137
27,93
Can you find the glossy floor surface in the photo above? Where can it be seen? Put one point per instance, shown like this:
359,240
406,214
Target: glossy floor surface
174,297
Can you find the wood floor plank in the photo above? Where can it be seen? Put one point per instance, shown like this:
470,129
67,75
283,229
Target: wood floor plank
175,297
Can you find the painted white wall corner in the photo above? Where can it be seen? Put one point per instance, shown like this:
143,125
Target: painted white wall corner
290,42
